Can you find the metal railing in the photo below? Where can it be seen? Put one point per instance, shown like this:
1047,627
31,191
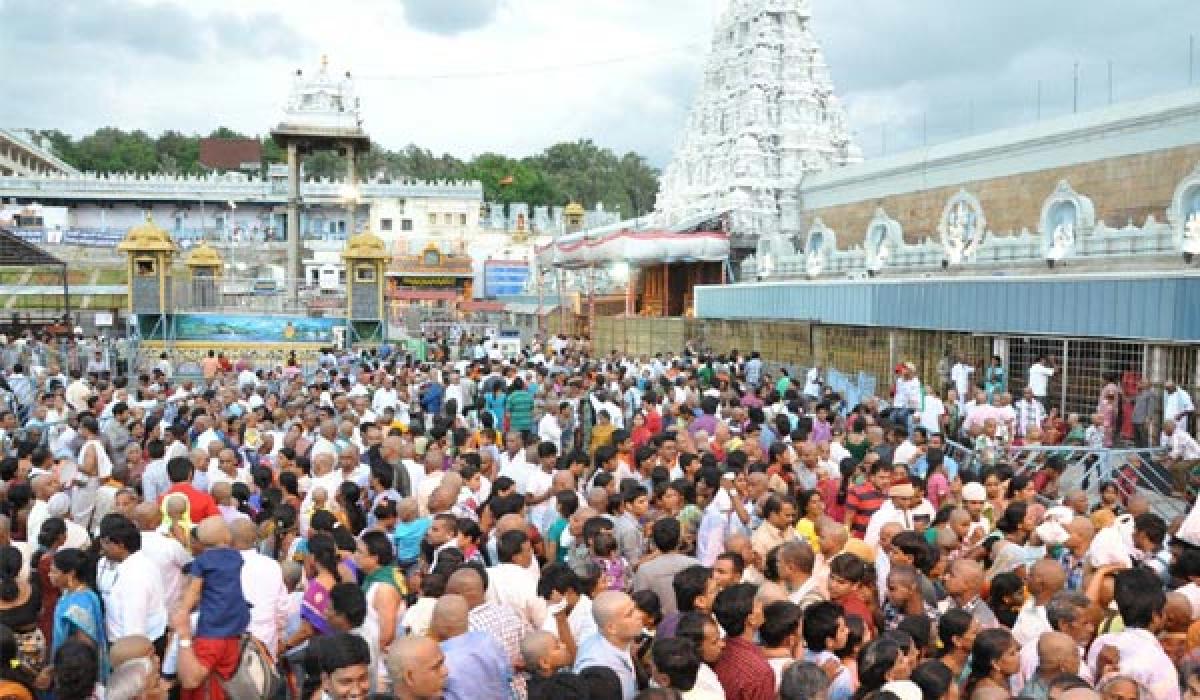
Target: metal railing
1131,470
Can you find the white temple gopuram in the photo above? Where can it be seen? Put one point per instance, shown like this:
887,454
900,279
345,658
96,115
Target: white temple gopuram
765,116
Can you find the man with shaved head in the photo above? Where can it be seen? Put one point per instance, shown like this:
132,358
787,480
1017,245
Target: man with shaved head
478,667
963,583
618,622
262,585
417,668
168,555
544,654
1046,578
1057,654
500,621
1073,558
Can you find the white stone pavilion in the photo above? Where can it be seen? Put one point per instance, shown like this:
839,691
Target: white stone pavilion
765,117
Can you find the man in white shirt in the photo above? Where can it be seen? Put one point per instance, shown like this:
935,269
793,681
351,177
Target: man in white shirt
1030,412
812,381
550,427
167,553
960,374
1177,405
1039,377
512,582
1183,454
1046,578
262,586
932,410
385,396
512,462
324,444
136,602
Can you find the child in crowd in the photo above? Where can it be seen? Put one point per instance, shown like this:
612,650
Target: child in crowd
177,519
616,569
214,590
409,532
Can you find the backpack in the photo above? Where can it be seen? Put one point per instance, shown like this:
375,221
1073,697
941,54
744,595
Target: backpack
256,677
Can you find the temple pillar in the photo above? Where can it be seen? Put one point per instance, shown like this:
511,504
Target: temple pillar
294,244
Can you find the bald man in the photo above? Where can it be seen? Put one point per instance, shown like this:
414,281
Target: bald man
500,621
1057,654
1046,577
263,587
544,654
168,554
963,582
619,623
1080,532
478,668
417,668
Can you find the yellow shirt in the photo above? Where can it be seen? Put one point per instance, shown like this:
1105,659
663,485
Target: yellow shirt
808,530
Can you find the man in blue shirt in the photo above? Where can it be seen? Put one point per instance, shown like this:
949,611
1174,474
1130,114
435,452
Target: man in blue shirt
478,666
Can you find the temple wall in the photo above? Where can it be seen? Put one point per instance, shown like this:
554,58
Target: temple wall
1128,159
1124,189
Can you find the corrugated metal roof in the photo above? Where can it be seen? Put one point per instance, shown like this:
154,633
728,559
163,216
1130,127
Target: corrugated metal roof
1162,307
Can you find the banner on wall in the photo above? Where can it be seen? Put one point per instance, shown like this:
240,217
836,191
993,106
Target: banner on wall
255,329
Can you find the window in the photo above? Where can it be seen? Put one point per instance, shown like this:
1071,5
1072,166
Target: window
316,276
385,224
448,219
405,224
433,219
364,273
400,204
342,276
462,219
145,267
220,222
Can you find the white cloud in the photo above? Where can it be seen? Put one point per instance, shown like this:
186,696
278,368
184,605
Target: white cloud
514,76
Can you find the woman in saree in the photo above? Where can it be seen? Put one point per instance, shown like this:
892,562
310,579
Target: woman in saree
78,614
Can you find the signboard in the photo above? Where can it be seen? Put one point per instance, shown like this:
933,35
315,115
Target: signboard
439,282
103,319
505,278
255,329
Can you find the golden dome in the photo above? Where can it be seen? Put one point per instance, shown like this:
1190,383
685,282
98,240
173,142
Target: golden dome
366,246
203,255
146,237
574,209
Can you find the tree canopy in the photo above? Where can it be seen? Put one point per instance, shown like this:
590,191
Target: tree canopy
581,170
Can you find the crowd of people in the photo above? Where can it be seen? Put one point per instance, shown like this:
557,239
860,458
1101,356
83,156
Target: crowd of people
570,525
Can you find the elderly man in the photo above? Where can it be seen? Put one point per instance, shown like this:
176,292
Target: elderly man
619,623
137,679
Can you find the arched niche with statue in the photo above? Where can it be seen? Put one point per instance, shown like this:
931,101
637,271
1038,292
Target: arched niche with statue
1184,214
961,228
1067,217
884,238
819,247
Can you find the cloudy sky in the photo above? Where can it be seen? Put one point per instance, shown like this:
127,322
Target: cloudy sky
513,76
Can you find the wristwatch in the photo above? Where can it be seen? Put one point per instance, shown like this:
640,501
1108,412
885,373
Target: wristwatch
185,643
